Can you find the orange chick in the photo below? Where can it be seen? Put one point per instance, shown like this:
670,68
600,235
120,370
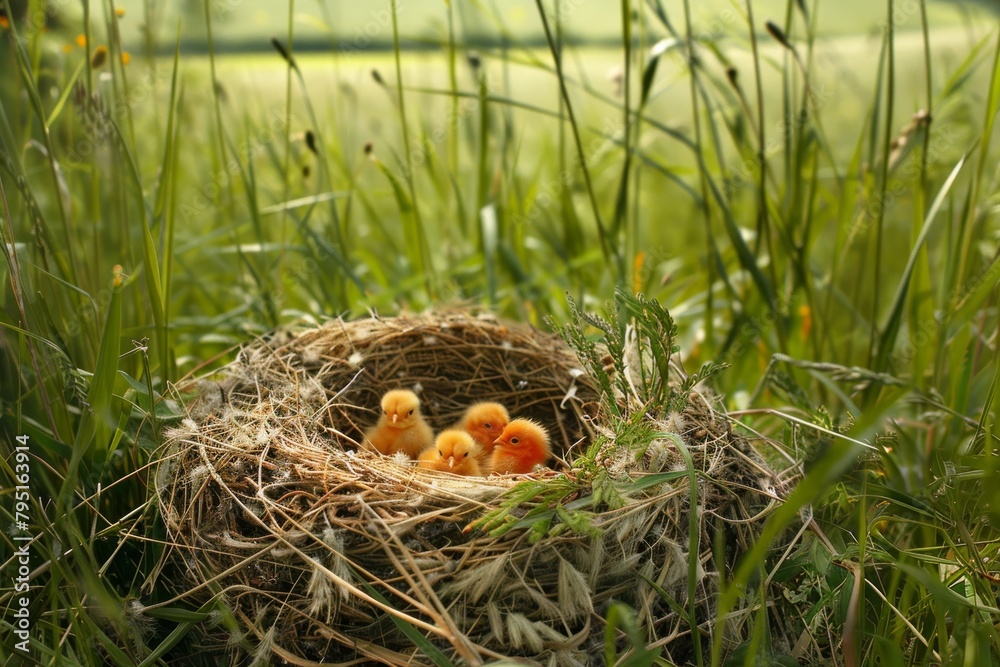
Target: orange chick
454,451
522,445
401,428
484,422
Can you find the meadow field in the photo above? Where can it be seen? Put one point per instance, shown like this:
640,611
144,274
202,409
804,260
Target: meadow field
810,190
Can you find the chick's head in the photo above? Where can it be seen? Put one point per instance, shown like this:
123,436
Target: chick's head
455,446
400,408
485,422
524,434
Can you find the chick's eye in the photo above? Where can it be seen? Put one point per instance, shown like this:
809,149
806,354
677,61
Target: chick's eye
514,441
487,425
385,412
410,412
440,453
465,455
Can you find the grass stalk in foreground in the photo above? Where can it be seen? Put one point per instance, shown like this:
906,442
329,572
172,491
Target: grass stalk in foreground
611,255
890,98
423,263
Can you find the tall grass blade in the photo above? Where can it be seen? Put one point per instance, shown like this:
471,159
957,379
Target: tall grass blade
186,621
621,198
100,420
164,211
620,617
825,472
150,261
969,305
611,253
694,547
985,142
419,640
890,98
887,342
425,266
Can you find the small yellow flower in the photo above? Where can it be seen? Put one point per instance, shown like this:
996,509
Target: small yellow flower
126,58
81,40
805,312
637,264
119,12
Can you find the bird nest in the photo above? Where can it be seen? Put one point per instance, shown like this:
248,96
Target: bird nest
323,551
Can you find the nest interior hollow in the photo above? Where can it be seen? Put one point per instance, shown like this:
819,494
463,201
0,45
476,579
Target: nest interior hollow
451,362
317,545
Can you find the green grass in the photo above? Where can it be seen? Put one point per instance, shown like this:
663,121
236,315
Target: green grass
848,279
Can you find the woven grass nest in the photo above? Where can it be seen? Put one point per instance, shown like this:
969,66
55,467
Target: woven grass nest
327,553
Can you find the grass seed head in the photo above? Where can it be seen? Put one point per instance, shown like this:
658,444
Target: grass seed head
320,593
262,653
523,634
574,592
198,474
496,621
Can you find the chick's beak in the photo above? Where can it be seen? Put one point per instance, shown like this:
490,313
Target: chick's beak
451,461
498,441
395,417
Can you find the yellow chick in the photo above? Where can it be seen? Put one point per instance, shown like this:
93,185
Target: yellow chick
454,451
484,422
522,445
401,428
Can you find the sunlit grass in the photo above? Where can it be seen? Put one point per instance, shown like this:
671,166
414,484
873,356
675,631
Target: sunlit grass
779,196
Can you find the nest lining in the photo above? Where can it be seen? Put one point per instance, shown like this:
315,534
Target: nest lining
316,544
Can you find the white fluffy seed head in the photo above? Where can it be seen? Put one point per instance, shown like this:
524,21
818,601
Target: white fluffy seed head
198,474
401,459
676,422
262,654
334,539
